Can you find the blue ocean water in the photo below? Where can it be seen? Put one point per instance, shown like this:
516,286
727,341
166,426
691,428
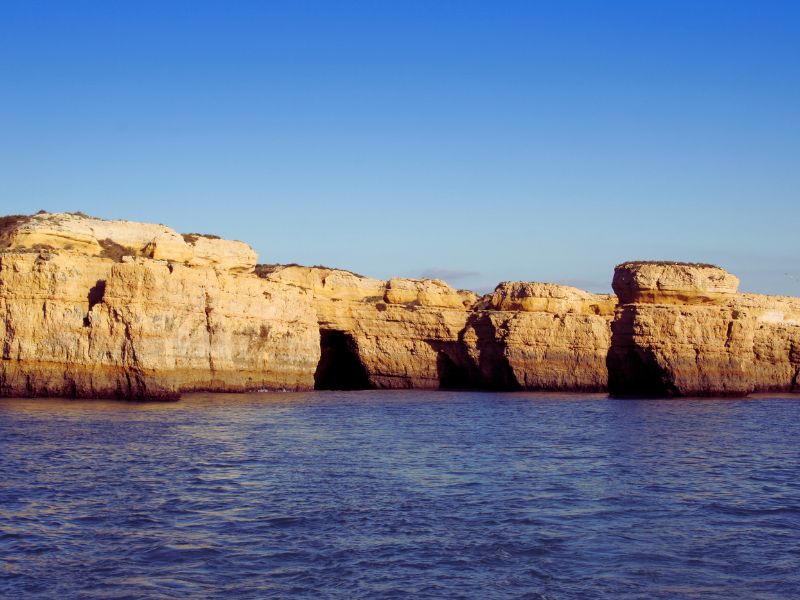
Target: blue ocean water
361,495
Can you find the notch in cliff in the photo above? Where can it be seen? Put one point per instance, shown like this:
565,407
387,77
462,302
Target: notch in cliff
339,367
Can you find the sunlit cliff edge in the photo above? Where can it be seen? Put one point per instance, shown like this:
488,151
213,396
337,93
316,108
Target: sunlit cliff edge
98,308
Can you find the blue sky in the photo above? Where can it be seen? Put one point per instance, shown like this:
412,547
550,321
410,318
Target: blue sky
476,141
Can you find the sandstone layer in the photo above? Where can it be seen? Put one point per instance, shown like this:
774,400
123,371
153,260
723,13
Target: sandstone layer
672,283
425,334
716,343
75,325
98,308
98,237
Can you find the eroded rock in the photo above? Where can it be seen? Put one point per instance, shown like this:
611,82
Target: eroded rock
549,297
672,283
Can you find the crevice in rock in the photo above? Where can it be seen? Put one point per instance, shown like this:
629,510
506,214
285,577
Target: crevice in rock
633,370
339,367
95,296
489,368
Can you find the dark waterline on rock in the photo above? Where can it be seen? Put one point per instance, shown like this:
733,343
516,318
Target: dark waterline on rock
400,495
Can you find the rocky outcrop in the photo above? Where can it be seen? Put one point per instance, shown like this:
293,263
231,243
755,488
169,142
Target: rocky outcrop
98,308
424,292
96,237
425,334
74,325
229,255
551,298
716,343
672,283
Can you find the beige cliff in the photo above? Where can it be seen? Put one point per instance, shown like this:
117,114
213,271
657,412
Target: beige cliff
553,337
333,284
424,334
94,236
672,283
718,343
549,297
99,308
423,292
228,255
75,325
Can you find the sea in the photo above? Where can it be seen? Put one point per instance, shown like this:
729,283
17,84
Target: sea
401,494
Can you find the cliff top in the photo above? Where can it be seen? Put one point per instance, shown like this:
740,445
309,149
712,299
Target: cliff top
81,233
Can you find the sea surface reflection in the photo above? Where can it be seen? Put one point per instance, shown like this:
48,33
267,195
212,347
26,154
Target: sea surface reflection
400,495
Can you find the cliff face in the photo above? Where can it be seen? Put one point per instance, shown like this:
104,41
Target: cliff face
424,334
74,322
73,325
702,339
96,237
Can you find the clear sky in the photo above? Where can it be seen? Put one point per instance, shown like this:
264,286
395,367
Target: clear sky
475,141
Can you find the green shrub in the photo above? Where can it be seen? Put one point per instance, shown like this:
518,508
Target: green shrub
114,251
664,263
191,238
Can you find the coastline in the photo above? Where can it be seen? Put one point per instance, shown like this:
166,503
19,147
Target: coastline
166,314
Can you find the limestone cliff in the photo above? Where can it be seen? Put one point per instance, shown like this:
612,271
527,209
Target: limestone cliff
98,308
75,325
425,334
683,330
98,237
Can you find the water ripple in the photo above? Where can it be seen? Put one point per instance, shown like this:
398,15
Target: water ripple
377,495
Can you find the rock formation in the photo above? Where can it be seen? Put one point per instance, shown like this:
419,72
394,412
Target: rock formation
682,329
75,325
98,237
407,333
96,308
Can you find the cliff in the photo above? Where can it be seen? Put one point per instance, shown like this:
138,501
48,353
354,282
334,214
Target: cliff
406,333
683,330
74,325
96,308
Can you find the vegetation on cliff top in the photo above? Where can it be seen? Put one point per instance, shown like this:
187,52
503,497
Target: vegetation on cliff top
263,270
191,238
664,263
115,251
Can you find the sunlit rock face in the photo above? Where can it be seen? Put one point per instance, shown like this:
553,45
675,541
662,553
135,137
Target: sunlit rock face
548,297
97,308
672,283
683,330
425,334
99,237
74,325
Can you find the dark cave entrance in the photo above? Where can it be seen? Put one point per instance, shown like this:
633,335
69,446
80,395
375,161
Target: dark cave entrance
339,367
451,375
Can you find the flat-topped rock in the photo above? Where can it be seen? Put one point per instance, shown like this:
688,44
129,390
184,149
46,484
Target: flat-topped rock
423,292
231,255
333,284
549,297
101,237
672,283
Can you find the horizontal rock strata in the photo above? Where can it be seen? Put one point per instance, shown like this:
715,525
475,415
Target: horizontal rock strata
73,325
716,343
95,308
425,334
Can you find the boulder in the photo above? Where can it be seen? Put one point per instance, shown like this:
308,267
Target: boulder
672,283
423,292
549,297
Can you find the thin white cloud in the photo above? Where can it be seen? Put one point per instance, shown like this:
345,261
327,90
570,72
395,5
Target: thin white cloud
447,274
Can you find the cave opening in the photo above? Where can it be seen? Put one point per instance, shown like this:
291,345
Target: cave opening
339,367
451,375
